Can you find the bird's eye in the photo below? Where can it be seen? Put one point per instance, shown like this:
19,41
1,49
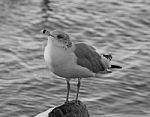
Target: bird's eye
60,36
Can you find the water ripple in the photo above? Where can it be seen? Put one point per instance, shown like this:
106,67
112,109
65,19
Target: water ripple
118,27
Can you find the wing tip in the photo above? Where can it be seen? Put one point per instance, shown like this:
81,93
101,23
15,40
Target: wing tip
116,66
108,56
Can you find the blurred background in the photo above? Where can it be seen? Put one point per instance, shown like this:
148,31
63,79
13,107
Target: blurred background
119,27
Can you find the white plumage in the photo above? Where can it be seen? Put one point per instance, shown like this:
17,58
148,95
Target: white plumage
73,60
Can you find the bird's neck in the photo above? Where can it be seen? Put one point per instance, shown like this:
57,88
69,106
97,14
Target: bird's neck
57,55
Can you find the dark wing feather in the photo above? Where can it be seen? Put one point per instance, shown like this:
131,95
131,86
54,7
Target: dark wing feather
89,58
116,66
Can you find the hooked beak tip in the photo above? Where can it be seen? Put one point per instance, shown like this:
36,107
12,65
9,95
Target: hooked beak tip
43,31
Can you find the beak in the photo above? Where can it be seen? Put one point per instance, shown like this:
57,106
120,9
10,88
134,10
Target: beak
46,32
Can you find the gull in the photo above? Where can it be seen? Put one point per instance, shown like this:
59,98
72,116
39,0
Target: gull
74,60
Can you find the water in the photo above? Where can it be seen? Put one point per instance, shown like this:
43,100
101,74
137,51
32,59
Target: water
120,27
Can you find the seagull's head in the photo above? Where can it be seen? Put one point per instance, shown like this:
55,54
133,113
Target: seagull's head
59,38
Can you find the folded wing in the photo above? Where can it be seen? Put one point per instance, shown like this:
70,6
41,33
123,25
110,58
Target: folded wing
89,58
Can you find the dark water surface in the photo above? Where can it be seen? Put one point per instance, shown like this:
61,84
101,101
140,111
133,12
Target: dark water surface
120,27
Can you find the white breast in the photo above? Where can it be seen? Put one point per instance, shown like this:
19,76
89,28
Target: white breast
63,62
56,56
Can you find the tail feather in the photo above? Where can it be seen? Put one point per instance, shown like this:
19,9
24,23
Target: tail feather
109,56
116,66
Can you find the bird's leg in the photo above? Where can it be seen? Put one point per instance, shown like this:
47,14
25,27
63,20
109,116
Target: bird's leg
68,89
78,88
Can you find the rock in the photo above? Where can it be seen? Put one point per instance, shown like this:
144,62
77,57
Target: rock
70,109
